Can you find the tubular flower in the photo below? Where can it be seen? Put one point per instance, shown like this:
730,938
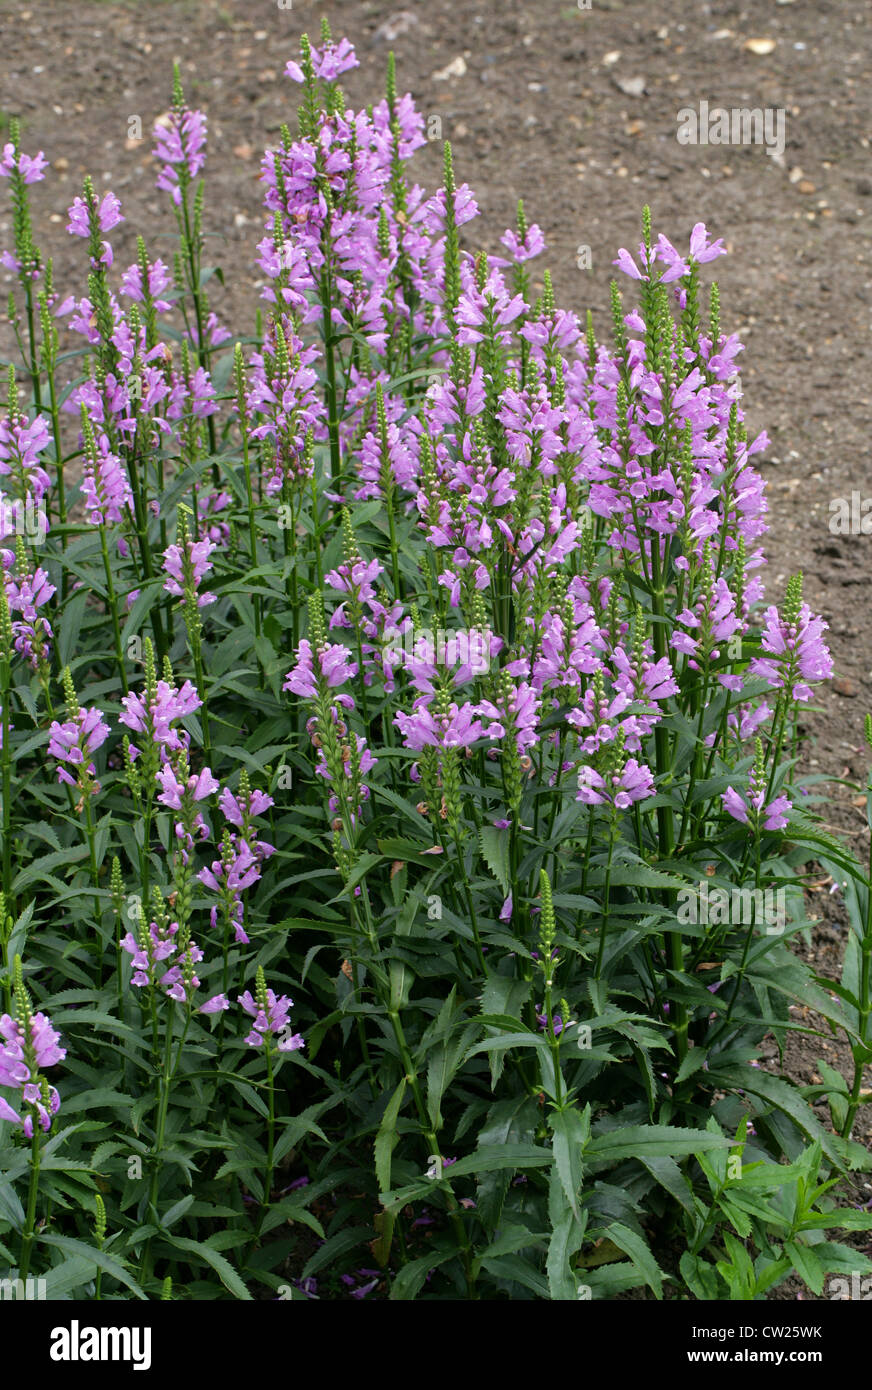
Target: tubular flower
72,744
28,1045
270,1014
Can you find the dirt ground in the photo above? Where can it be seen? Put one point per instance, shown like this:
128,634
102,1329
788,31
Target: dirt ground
575,110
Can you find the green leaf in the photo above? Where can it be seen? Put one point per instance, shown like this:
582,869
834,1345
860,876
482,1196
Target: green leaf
699,1276
783,1096
491,1159
444,1059
509,1040
634,1246
806,1264
70,1274
842,1259
505,996
647,1141
667,1173
518,1271
511,1237
11,1209
639,876
570,1130
96,1257
176,1210
304,1123
410,1280
222,1267
386,1139
836,1093
561,1282
494,845
70,625
337,1245
840,1219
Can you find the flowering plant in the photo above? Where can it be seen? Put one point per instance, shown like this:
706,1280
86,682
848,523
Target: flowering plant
472,861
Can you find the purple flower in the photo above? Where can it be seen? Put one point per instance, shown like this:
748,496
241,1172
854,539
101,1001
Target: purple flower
191,396
72,744
336,668
700,249
328,64
28,167
215,1005
21,443
517,710
237,869
107,215
458,727
798,653
755,810
30,1044
240,811
532,245
186,567
174,793
182,791
270,1014
159,279
32,632
157,720
162,960
156,945
105,486
626,263
180,149
633,783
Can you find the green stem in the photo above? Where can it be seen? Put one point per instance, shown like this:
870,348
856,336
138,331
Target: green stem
252,533
749,935
6,764
59,458
604,927
467,890
665,822
95,879
864,1000
30,1219
330,360
113,608
270,1147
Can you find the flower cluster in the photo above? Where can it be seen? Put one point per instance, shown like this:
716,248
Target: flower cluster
270,1014
29,1045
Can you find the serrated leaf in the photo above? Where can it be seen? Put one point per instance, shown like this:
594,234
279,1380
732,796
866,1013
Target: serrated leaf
222,1267
494,846
386,1138
410,1279
569,1132
637,1141
806,1264
634,1246
98,1258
